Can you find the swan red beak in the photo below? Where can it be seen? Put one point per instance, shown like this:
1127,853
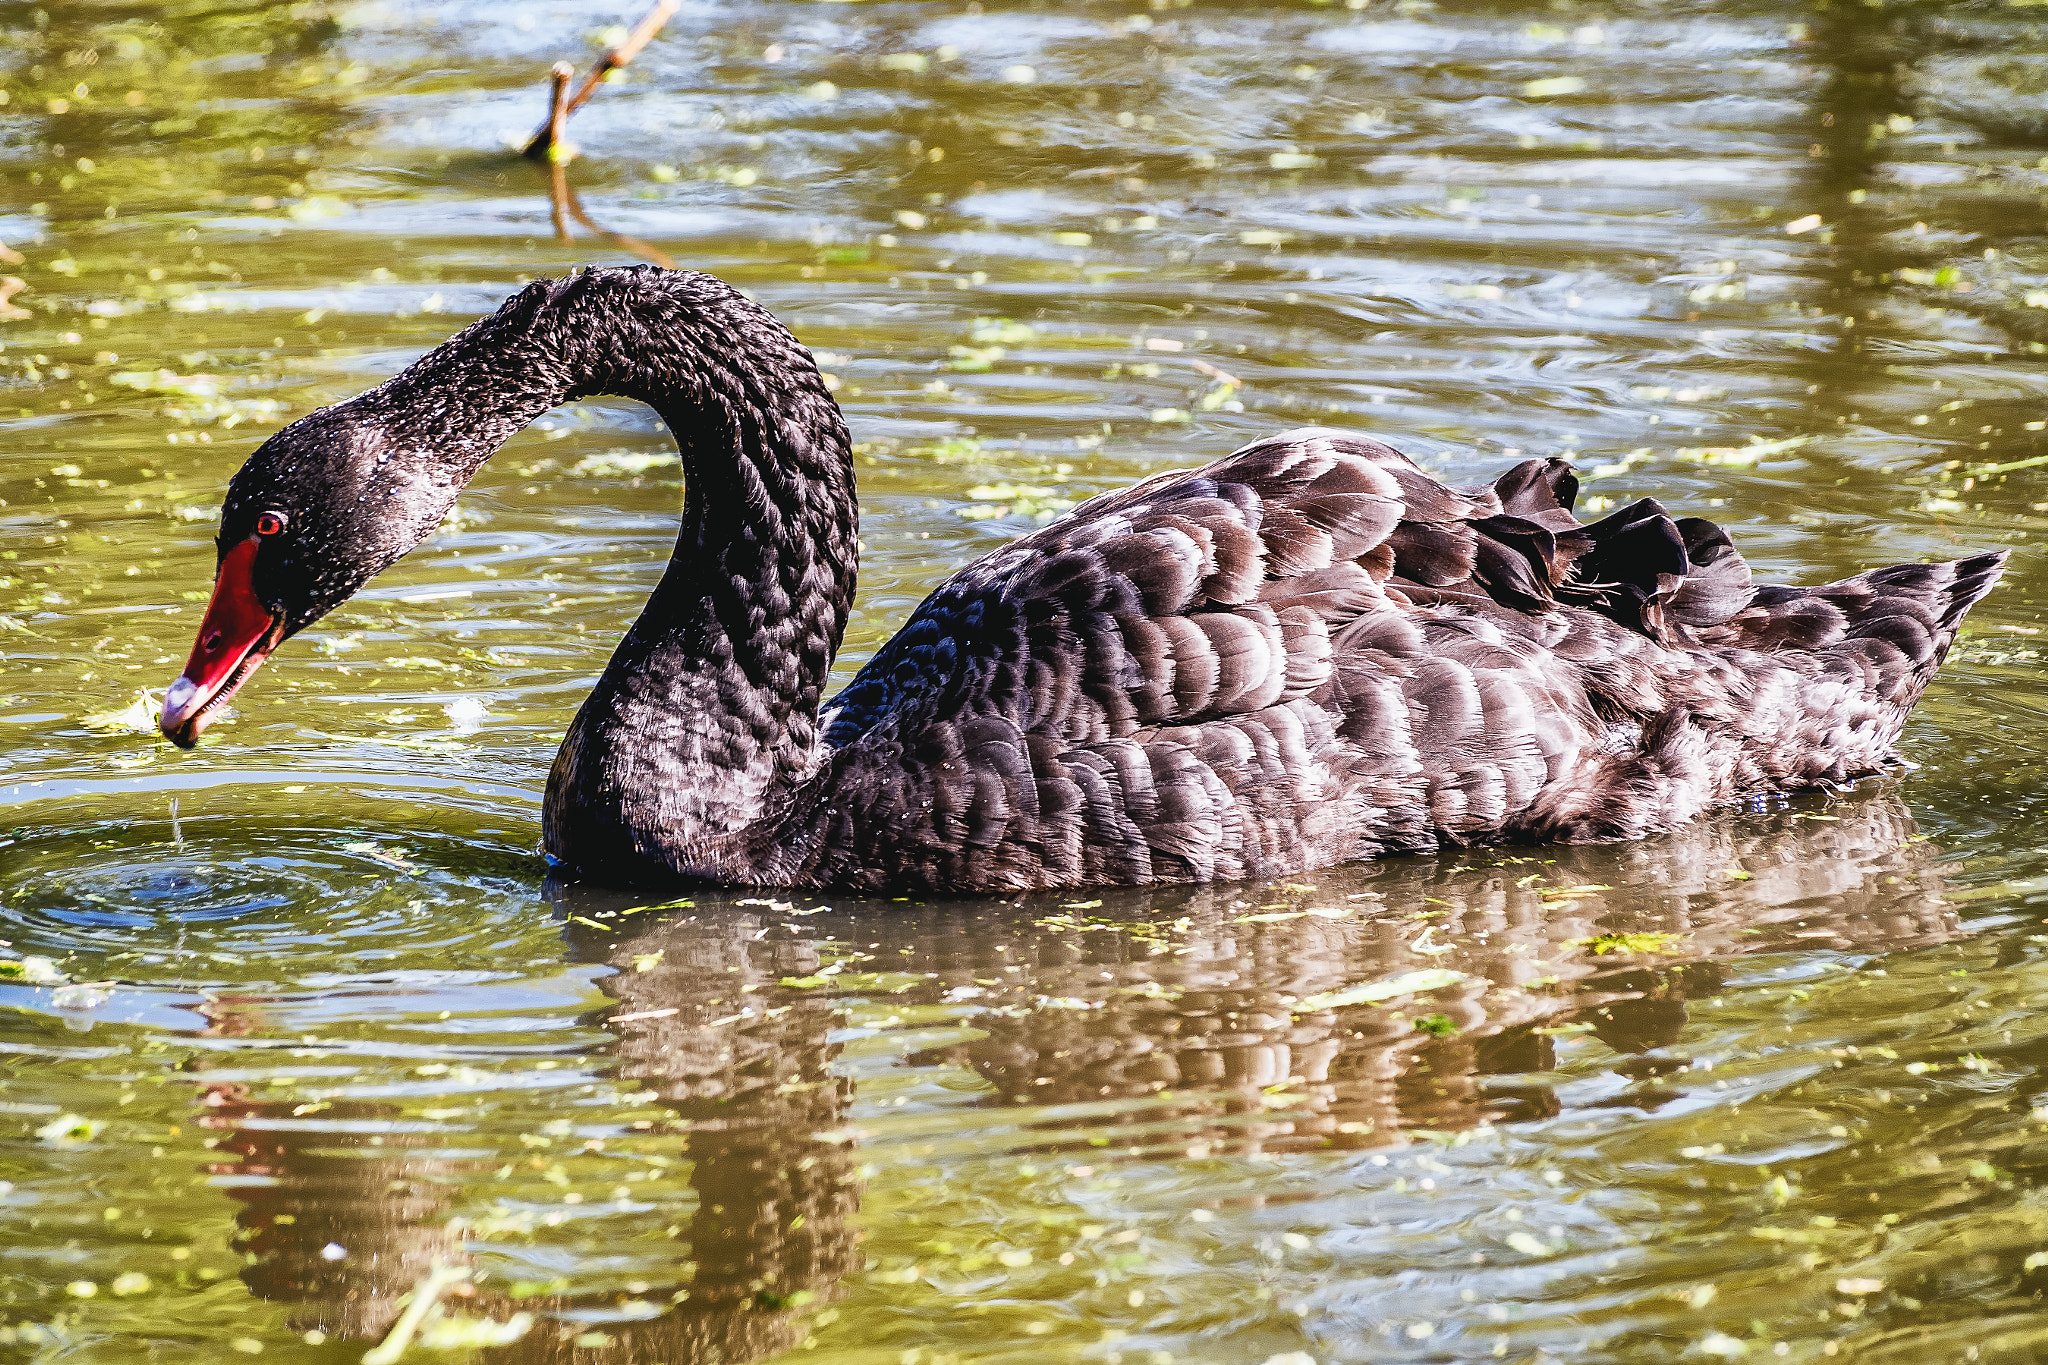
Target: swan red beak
235,638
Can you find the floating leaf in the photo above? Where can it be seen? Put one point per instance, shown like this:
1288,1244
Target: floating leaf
1600,945
139,717
33,971
70,1130
1003,331
1408,983
456,1332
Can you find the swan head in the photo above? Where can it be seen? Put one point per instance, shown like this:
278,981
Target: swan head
320,508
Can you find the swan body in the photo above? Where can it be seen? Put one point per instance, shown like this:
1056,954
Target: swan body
1307,652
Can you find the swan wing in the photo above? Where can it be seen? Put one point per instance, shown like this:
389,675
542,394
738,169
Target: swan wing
1312,651
1308,650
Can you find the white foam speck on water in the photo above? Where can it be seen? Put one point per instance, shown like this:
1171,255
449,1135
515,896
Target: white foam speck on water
465,715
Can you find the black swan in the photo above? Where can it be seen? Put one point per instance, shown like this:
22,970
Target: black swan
1307,652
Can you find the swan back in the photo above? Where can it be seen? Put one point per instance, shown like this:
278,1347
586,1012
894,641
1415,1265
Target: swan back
1312,651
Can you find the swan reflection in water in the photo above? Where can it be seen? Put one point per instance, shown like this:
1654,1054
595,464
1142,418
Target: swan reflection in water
1187,1004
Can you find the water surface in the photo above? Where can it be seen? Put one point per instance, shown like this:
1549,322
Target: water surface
301,1029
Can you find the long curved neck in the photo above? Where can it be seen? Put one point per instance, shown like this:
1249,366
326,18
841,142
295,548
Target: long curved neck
708,710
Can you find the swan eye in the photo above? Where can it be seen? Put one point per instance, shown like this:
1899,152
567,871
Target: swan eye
270,523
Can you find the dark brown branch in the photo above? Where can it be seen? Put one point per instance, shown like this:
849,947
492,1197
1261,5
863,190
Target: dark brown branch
642,33
558,149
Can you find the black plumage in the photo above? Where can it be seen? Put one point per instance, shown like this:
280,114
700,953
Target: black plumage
1308,651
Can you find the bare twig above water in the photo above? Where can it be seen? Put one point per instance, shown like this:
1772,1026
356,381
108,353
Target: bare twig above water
558,148
550,134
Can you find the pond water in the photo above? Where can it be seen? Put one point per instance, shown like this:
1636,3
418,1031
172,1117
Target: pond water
300,1029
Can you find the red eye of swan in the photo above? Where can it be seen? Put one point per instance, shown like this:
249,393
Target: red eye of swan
270,523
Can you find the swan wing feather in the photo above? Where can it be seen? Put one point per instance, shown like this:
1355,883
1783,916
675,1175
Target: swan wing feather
1180,663
1312,651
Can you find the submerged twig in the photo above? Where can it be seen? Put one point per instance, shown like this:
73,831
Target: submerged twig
559,195
424,1296
642,33
563,205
